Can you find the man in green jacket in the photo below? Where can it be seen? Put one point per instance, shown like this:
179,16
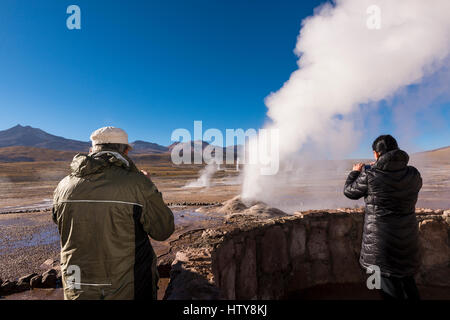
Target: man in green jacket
105,210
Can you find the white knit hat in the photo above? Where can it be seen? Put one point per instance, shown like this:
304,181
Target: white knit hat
109,135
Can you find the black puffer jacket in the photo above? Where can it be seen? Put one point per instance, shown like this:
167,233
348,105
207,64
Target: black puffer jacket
390,189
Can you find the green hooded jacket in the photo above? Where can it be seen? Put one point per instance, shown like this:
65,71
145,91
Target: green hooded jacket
105,210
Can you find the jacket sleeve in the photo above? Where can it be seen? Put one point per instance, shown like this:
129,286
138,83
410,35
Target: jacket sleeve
356,185
56,194
157,218
419,182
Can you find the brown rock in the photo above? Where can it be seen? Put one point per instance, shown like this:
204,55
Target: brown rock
238,248
232,206
186,283
424,211
356,233
274,248
24,282
26,278
320,272
36,282
228,281
271,286
49,279
8,287
300,277
318,244
247,282
434,242
340,227
446,216
298,241
224,254
23,286
269,259
221,259
263,211
345,267
51,263
164,265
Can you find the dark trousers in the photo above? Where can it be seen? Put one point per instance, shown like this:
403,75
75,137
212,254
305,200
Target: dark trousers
399,288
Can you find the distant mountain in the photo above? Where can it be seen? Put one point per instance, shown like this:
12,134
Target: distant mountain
204,145
238,150
441,154
141,147
32,154
27,136
28,144
32,137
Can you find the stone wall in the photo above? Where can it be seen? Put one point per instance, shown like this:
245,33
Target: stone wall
269,259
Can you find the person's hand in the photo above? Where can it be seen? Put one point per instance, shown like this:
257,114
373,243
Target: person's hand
358,166
145,173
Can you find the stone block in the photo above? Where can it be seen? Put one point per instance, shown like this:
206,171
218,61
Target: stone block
297,245
318,244
228,281
274,252
247,282
340,227
320,272
434,243
36,282
49,279
345,266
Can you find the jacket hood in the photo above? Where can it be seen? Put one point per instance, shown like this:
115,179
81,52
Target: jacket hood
392,161
86,164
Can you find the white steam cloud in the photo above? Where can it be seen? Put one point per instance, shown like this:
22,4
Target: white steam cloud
206,175
343,64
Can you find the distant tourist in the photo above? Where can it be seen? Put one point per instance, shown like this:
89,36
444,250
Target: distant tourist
391,238
105,210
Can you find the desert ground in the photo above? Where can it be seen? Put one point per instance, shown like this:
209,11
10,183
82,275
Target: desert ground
28,237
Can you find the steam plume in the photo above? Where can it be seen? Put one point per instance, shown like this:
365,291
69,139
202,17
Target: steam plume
204,180
344,64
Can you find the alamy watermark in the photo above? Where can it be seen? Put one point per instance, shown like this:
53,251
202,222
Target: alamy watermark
73,279
373,21
74,20
257,147
374,280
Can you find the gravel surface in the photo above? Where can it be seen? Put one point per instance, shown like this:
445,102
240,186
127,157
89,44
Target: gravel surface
26,241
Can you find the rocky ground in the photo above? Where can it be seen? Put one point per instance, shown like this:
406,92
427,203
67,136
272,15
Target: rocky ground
28,237
30,242
308,255
30,245
26,241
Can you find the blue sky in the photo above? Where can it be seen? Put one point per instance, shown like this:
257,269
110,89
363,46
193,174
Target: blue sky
153,66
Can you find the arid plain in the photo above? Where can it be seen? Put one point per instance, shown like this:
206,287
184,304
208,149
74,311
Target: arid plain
28,236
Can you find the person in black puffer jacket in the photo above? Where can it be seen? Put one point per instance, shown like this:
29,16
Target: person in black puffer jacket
391,237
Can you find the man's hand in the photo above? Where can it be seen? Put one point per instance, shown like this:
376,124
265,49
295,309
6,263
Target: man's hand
358,166
145,173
